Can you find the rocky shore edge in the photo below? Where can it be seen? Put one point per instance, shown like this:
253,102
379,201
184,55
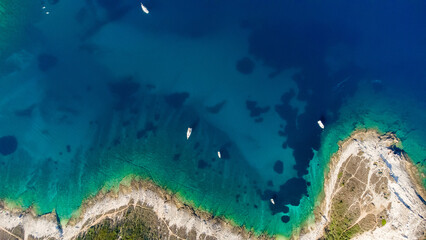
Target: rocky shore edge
173,218
397,203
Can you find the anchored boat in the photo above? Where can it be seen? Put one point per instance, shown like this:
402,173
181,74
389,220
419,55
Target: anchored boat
188,133
144,9
320,124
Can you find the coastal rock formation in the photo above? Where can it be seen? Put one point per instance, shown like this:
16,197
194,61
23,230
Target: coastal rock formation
371,192
139,209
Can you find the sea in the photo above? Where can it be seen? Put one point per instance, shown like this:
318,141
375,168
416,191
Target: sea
95,91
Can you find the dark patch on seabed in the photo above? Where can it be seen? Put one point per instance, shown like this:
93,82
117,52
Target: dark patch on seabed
199,168
27,112
290,192
176,100
245,65
202,164
255,110
224,152
149,127
285,43
279,167
124,91
313,39
285,219
216,108
46,62
8,145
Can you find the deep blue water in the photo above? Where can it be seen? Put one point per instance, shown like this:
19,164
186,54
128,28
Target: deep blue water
97,79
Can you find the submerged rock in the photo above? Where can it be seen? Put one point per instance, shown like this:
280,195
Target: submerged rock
8,145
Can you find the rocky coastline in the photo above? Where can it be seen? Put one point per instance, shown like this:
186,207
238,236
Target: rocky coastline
152,211
371,191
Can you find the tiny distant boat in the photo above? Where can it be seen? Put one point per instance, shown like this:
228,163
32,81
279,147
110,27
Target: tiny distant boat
144,9
272,201
218,154
188,133
320,124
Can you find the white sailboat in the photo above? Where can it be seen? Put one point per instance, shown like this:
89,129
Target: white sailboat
219,155
272,201
144,9
320,124
188,133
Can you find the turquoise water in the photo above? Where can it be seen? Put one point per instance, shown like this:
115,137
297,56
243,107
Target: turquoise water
97,90
386,113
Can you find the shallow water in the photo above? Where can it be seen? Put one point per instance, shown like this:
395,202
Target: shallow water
97,90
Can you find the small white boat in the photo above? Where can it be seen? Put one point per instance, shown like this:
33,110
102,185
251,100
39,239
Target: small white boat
144,9
188,133
272,201
218,154
320,124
